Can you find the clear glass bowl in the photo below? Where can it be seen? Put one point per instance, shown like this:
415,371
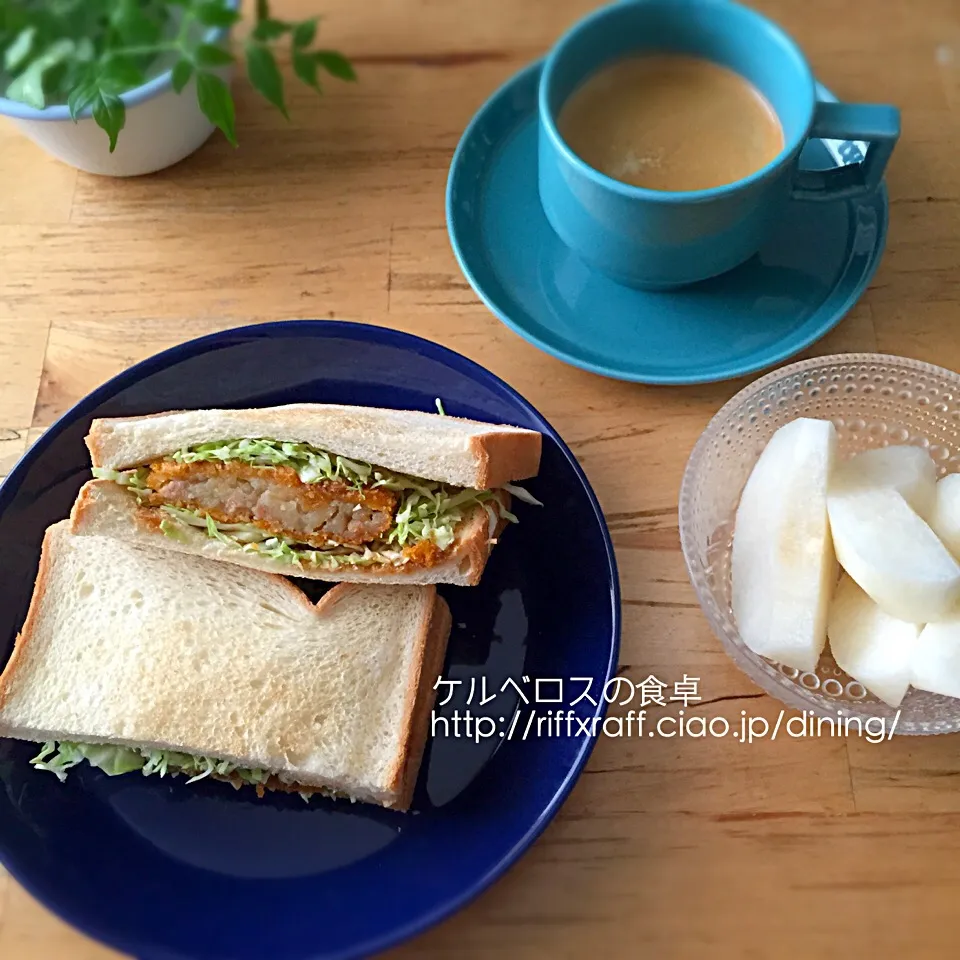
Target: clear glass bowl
874,400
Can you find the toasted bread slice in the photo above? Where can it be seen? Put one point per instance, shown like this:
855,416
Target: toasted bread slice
465,453
124,644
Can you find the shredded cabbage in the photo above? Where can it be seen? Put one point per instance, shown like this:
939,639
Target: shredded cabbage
59,757
434,515
253,539
172,530
242,532
522,494
311,464
134,479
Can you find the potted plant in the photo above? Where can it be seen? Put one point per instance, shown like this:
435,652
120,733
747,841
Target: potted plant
126,87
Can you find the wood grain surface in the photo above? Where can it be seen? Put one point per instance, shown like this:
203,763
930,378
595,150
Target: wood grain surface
800,848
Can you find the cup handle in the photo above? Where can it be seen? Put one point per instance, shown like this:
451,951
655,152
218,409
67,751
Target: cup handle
876,124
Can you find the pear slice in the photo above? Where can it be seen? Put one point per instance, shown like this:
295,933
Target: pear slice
908,470
782,566
945,519
869,645
894,556
936,659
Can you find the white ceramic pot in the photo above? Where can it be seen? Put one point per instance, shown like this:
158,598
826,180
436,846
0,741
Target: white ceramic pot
162,127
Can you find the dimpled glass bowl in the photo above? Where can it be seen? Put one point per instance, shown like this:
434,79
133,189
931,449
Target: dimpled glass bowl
874,401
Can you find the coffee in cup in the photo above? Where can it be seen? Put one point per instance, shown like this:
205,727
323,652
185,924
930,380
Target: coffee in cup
671,122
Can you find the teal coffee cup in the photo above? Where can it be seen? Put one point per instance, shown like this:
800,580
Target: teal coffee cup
663,239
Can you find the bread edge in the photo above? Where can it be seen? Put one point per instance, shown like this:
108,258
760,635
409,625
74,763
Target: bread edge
503,457
41,582
94,439
420,701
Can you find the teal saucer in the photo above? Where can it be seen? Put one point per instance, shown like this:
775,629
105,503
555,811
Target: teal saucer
796,289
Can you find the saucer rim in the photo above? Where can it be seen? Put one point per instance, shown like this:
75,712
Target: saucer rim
732,369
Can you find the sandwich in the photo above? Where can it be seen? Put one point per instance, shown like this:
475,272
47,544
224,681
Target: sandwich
311,490
146,662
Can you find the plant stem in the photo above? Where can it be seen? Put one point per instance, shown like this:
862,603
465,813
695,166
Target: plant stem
185,21
141,51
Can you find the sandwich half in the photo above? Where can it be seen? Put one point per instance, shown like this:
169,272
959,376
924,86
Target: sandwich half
311,490
144,661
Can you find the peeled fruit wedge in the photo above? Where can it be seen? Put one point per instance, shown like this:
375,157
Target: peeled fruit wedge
870,645
782,565
892,554
908,470
936,658
945,518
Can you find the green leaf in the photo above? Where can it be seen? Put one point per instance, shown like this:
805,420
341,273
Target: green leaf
110,115
263,10
265,75
28,87
81,96
216,103
85,50
215,13
336,64
119,75
181,74
304,33
305,67
210,55
134,25
99,87
19,50
270,29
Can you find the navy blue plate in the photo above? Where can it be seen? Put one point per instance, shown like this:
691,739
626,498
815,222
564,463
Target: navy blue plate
168,872
799,286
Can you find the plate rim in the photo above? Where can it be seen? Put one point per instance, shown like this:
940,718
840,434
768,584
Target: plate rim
732,370
361,332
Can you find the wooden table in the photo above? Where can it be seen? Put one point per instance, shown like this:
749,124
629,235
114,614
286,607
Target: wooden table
800,848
